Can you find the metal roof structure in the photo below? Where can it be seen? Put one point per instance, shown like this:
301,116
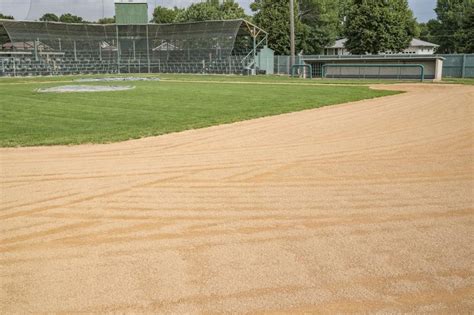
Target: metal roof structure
221,46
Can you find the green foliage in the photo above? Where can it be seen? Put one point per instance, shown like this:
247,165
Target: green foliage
197,12
468,25
426,31
69,18
375,26
274,17
453,28
153,108
162,15
49,17
343,8
231,10
317,23
106,20
321,20
6,17
211,10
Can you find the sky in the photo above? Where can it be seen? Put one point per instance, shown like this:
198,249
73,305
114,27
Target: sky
92,10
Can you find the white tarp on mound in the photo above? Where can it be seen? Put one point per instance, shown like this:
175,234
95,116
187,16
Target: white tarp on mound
119,79
85,88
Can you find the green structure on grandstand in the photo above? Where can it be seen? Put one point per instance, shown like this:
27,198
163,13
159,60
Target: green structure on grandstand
132,46
130,12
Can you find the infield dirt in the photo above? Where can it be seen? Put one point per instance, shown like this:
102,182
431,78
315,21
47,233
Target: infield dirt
361,207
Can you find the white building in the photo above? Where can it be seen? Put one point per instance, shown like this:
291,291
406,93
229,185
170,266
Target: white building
417,47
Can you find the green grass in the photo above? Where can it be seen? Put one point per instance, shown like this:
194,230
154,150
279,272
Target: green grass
29,118
283,79
467,81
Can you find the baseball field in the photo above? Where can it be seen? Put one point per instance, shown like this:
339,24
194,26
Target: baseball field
216,194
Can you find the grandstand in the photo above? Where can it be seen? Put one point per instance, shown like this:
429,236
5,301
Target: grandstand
30,48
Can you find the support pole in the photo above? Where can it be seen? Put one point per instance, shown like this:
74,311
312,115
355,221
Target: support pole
463,69
36,49
292,32
148,49
118,49
134,51
75,51
254,51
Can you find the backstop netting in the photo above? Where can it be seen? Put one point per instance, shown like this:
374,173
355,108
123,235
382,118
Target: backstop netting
42,48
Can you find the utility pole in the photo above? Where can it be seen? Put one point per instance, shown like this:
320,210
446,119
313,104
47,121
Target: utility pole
292,32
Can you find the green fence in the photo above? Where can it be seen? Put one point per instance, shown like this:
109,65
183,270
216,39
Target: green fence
458,66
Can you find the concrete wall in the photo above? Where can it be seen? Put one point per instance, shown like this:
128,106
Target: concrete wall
382,72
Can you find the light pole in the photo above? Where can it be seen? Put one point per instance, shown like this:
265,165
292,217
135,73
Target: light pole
292,32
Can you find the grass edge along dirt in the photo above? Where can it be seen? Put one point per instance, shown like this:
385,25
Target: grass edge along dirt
29,118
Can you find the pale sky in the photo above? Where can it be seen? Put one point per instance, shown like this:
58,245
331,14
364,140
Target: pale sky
94,9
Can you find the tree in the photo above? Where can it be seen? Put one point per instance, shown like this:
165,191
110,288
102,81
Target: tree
231,10
343,7
274,17
6,17
428,31
165,15
320,24
316,23
197,12
468,26
106,20
69,18
375,26
4,36
453,25
49,17
211,10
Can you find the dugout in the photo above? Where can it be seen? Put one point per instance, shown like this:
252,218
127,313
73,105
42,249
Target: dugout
378,66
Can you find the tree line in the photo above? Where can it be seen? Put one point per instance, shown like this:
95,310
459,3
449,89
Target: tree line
370,26
453,29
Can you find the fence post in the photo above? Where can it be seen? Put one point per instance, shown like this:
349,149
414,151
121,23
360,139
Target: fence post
75,51
36,49
148,60
288,64
463,69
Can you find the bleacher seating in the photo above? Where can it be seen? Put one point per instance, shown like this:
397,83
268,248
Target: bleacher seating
87,62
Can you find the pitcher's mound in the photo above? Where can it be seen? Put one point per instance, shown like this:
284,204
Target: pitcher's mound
119,79
84,88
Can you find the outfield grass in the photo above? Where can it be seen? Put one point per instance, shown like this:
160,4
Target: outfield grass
467,81
29,118
284,79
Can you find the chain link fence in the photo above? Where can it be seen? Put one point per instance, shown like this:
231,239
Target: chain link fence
46,48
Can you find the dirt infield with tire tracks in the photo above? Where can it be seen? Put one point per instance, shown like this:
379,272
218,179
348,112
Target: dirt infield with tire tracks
361,207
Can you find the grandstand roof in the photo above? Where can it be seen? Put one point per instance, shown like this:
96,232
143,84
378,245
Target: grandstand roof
183,36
